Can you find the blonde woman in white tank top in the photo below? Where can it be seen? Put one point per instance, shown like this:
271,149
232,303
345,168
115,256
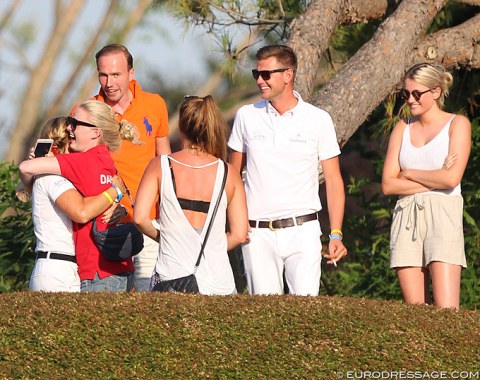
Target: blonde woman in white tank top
424,165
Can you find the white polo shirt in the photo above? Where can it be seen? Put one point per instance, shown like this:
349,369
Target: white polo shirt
282,154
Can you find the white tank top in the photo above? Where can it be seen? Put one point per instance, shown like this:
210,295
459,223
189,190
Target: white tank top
180,243
430,156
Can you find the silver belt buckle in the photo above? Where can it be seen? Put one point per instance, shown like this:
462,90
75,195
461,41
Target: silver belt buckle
270,226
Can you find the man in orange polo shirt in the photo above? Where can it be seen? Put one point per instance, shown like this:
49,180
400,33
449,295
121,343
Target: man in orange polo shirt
148,112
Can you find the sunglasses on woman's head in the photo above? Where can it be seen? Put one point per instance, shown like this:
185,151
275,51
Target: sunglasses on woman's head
405,94
265,74
74,123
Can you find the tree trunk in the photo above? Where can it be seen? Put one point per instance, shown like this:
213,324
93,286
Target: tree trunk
377,68
453,47
58,105
311,32
30,110
309,39
32,99
119,36
8,15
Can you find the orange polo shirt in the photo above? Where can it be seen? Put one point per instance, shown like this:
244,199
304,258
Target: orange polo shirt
148,112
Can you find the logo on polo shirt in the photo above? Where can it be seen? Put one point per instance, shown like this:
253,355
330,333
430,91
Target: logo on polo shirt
298,139
148,126
258,136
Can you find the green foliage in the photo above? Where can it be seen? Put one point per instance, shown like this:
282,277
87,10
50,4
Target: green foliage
452,14
270,9
224,20
470,294
347,39
17,241
366,271
175,336
370,250
24,34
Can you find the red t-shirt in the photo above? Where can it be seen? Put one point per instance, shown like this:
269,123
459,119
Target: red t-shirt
91,173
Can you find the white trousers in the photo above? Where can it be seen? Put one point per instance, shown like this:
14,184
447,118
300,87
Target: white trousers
145,262
50,275
295,250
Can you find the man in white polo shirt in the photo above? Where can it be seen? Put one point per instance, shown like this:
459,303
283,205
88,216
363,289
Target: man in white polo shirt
281,140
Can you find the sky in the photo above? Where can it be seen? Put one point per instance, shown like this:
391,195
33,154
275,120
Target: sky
164,47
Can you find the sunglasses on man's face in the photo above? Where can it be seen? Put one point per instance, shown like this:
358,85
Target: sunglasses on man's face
405,94
74,123
265,74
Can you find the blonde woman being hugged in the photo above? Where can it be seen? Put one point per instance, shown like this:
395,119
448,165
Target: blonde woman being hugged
188,184
55,203
94,132
426,158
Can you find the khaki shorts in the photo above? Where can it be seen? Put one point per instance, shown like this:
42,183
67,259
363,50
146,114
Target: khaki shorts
426,228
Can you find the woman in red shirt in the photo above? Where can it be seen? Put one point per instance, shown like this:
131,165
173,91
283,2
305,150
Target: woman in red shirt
94,132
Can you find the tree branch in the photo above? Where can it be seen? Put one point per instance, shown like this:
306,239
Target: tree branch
469,2
58,103
311,32
33,95
348,95
118,35
7,16
453,47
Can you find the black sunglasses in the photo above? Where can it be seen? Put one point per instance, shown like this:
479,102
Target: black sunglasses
74,123
405,94
265,74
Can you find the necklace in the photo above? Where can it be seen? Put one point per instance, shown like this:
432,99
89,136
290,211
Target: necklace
192,166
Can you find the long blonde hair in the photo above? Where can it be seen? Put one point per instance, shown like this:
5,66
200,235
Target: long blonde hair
203,126
102,115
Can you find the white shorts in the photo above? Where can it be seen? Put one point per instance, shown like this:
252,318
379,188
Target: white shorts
50,275
297,250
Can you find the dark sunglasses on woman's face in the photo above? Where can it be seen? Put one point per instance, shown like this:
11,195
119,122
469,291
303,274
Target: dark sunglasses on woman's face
265,74
74,123
405,94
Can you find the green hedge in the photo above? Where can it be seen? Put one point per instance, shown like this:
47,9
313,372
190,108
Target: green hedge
17,240
167,336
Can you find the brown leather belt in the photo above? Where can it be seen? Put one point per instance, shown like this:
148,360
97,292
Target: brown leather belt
56,256
283,223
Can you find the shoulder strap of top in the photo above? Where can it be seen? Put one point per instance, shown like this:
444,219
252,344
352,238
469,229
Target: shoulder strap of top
450,122
214,213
